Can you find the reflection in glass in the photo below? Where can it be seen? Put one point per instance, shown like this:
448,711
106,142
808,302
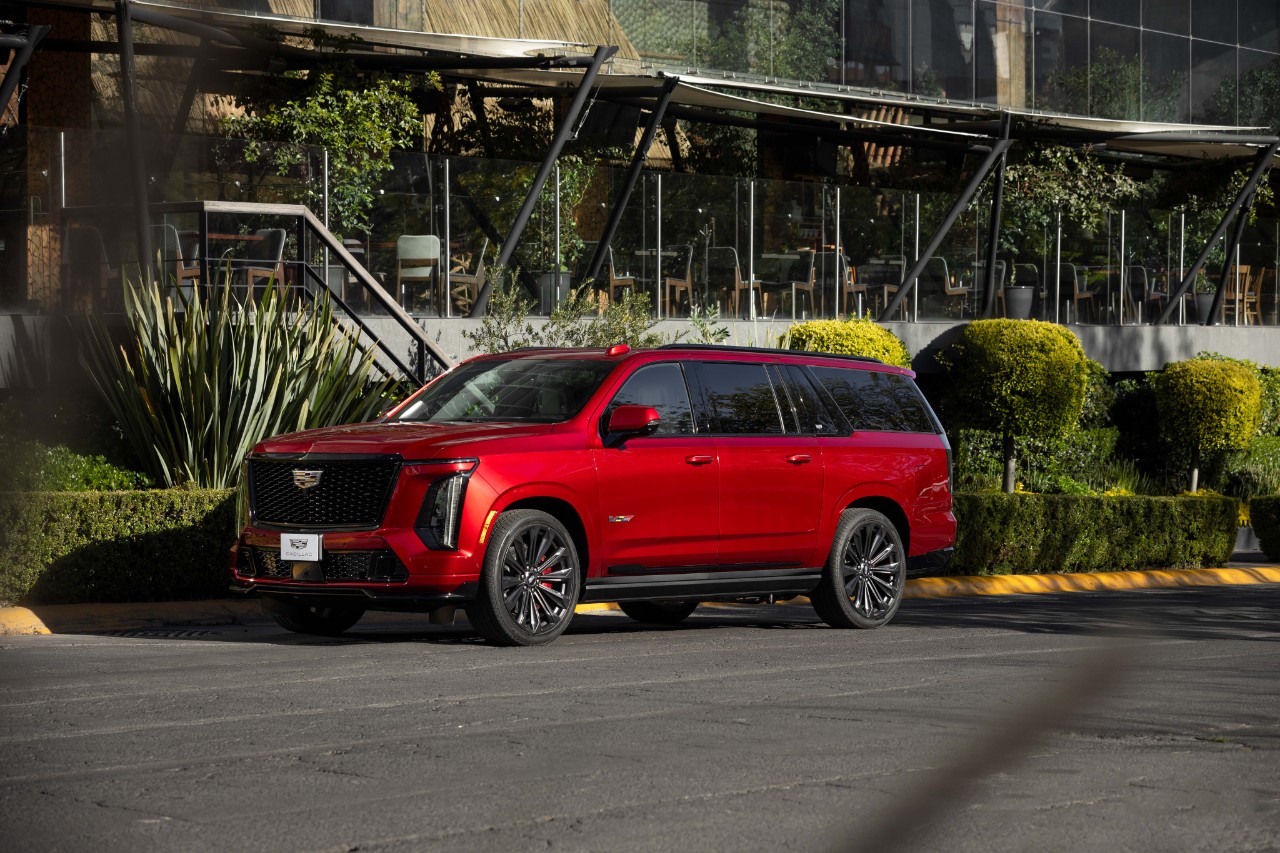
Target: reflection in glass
662,387
1168,16
741,398
1213,20
1167,91
1213,82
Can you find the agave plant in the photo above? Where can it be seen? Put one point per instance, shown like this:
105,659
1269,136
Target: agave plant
195,389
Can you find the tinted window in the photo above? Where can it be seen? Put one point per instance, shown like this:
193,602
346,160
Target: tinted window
517,389
741,398
876,401
810,411
662,387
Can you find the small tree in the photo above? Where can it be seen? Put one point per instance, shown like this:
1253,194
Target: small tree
1207,406
1018,378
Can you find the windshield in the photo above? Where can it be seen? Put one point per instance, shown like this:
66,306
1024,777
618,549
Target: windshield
533,390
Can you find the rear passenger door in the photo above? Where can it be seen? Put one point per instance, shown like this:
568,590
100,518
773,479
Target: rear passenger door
770,474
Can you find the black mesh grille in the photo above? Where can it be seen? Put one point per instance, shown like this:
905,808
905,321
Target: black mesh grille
337,565
350,493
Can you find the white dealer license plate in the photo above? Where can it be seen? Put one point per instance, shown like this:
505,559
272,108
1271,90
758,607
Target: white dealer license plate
307,547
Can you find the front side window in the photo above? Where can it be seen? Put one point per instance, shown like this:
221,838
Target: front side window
535,390
741,398
876,400
661,386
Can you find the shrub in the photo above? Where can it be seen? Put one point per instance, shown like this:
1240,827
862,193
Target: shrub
858,336
194,390
31,466
1208,405
1269,378
1027,533
69,547
1018,378
1265,515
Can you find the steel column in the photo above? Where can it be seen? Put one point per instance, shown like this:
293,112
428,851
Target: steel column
563,132
1259,169
993,229
1232,258
909,280
133,130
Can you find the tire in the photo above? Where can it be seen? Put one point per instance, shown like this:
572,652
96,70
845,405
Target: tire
306,619
658,612
529,583
862,583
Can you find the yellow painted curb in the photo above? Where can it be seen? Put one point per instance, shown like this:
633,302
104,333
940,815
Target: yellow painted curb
1092,582
598,607
20,620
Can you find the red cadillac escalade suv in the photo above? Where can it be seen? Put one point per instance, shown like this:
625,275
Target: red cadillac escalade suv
519,485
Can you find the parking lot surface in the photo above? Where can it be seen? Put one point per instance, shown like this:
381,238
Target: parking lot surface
1100,721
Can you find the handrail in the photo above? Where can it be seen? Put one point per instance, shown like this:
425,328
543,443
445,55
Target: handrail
421,340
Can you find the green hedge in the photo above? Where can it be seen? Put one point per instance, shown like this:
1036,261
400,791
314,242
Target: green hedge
157,545
1264,515
1003,534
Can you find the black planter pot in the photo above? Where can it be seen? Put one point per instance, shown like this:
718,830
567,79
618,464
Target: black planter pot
1204,305
1018,301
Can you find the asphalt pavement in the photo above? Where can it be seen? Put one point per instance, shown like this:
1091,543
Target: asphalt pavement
1113,720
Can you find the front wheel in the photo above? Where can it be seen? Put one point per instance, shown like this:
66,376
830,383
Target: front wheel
658,612
862,584
306,619
529,583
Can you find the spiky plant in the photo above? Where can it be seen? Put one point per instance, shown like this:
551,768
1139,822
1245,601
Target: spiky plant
195,389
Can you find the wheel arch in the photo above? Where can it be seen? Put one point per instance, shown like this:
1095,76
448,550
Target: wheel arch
565,513
892,510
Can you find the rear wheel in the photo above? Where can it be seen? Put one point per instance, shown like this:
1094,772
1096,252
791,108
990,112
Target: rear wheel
323,620
658,612
862,583
529,583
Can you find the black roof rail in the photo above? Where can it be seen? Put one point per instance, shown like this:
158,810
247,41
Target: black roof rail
770,351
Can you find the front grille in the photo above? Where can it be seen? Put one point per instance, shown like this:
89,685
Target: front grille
382,565
350,492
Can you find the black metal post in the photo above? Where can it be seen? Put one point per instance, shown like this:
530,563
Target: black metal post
629,182
993,230
25,47
129,93
1259,169
909,280
1232,258
563,132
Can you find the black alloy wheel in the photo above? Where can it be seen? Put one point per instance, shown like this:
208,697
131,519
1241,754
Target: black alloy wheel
530,581
862,584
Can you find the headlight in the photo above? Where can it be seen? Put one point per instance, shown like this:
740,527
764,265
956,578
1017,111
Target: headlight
441,513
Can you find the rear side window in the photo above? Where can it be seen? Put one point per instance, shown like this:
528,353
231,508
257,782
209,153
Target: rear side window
873,400
661,386
741,398
811,413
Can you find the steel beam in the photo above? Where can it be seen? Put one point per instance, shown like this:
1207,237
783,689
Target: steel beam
993,229
629,182
1232,258
25,47
563,132
909,280
1261,165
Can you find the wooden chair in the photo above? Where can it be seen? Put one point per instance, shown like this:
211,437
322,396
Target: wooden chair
617,282
1079,296
464,287
802,285
173,266
723,265
264,262
954,291
679,280
418,262
1244,298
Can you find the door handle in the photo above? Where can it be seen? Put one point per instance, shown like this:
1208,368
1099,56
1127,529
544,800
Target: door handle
700,460
799,458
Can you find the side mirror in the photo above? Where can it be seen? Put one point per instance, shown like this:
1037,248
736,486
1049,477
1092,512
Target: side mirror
634,421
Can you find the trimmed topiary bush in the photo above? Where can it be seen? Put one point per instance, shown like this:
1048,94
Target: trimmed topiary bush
857,336
1208,405
1265,518
1002,534
1018,378
159,545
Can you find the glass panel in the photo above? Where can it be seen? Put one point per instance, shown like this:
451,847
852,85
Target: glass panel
741,398
1169,16
1213,83
942,51
1119,11
1079,8
662,387
1115,72
1260,25
1214,20
1166,89
874,43
1061,63
1259,83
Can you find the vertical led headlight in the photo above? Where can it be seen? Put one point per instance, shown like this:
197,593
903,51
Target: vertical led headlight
441,513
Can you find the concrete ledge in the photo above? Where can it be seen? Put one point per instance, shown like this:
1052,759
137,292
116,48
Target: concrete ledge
100,618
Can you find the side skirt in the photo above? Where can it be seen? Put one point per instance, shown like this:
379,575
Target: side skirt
701,585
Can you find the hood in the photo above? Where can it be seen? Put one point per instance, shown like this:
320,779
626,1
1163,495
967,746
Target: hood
409,440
